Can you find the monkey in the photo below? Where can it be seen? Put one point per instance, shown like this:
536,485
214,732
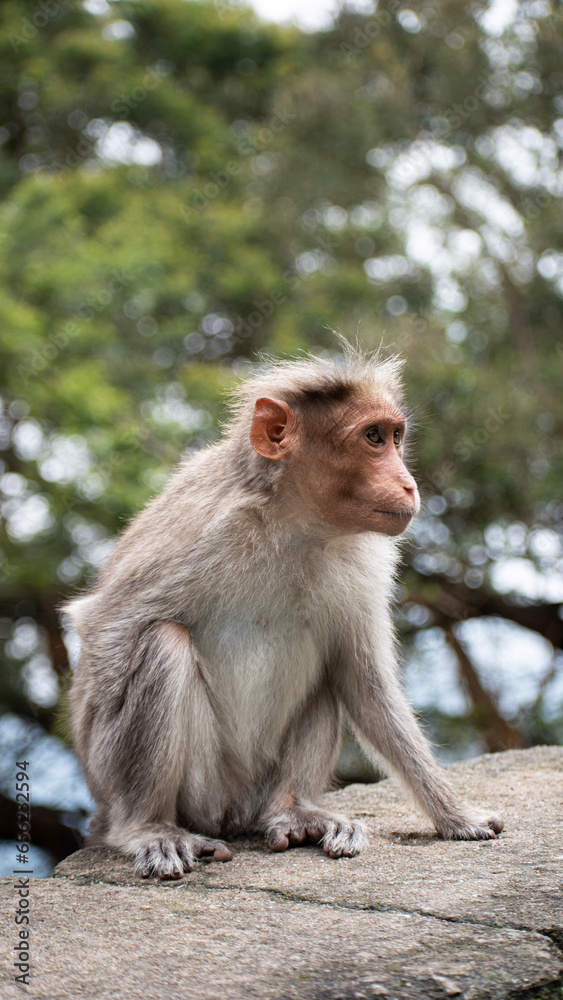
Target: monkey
243,614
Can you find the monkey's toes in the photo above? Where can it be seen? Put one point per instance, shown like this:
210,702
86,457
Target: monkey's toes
161,860
170,867
337,837
285,835
219,850
175,852
174,874
222,854
278,839
496,824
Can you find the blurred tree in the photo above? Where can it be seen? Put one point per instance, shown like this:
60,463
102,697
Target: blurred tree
182,186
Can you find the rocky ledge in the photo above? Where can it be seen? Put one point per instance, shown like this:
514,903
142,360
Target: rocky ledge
413,916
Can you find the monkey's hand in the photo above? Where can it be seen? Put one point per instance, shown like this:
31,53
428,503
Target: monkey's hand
298,825
169,851
471,828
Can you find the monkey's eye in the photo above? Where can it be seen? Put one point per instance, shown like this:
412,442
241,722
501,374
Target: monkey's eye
374,436
397,438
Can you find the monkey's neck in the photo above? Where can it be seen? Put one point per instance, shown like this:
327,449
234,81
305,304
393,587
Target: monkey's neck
286,516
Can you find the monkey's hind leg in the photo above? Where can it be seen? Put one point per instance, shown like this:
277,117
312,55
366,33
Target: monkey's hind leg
292,817
145,730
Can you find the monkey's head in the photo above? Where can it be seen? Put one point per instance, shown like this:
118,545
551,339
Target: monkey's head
341,439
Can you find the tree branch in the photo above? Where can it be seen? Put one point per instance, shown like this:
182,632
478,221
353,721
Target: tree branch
497,732
459,602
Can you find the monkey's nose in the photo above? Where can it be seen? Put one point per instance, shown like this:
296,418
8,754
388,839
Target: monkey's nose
408,483
411,491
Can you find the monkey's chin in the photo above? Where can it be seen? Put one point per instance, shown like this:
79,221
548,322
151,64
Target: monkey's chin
390,522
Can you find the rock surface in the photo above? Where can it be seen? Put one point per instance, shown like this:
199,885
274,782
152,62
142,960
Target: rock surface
414,916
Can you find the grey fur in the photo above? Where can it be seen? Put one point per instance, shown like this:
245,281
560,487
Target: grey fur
224,639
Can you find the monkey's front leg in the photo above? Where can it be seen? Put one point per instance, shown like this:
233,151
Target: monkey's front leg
146,728
381,713
309,824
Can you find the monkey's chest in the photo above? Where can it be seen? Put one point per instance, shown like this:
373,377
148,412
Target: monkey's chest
260,668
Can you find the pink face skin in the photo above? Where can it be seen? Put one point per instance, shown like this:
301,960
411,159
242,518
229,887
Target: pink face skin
351,471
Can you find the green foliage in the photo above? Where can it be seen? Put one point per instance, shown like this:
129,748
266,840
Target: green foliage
183,186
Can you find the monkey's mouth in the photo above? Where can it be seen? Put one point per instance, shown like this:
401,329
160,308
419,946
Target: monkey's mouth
406,514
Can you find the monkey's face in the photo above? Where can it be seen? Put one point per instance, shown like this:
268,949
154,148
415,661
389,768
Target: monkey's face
344,461
353,474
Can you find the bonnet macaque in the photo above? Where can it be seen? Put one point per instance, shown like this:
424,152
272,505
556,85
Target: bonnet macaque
242,614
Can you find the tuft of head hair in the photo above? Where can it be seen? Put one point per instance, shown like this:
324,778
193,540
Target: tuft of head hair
310,379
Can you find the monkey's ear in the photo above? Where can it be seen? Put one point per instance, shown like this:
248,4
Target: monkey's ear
272,425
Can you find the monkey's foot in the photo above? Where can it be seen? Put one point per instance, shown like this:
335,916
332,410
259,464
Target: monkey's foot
339,836
169,851
469,828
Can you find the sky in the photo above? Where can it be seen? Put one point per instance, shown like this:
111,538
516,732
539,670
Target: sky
312,15
315,15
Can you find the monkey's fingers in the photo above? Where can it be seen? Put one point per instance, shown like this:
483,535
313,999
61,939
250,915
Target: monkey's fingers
279,837
297,836
344,840
474,829
495,824
219,850
329,840
488,831
220,853
314,834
